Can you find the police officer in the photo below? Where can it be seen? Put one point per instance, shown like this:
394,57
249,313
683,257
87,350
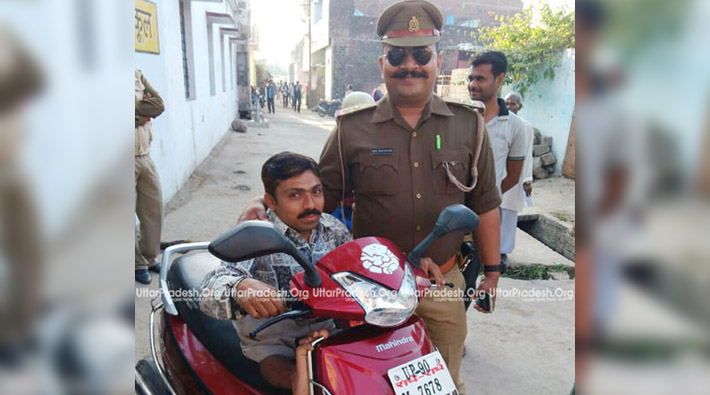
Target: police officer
410,155
407,157
149,200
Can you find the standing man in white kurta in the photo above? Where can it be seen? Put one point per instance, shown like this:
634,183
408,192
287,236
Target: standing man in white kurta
514,200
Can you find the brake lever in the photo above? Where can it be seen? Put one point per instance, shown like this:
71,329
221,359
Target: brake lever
287,315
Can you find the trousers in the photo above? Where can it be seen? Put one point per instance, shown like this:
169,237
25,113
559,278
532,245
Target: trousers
149,209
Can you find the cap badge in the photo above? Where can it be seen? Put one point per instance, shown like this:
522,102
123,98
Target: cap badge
414,24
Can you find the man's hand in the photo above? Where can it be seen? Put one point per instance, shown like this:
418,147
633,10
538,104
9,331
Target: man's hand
299,378
527,187
432,269
489,283
304,344
254,211
261,302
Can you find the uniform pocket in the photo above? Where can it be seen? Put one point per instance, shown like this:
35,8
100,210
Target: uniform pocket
377,174
459,163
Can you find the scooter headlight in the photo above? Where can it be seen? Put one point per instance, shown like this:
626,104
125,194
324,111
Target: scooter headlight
383,307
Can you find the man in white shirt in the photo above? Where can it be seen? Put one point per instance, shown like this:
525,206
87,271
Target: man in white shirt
507,132
514,199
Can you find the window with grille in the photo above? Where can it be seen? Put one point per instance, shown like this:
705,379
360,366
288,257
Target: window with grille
185,63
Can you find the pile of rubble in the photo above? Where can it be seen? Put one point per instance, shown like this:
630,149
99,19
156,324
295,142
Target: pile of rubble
543,158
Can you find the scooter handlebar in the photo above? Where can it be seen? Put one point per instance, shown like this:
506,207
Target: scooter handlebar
287,315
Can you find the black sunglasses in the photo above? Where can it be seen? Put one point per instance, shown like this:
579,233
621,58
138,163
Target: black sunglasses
421,55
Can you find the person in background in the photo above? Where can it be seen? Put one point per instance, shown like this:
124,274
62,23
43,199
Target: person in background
149,197
285,94
270,96
21,247
507,131
514,199
262,95
292,93
297,94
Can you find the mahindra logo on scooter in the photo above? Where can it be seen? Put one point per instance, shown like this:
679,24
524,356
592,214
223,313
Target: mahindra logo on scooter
394,343
379,259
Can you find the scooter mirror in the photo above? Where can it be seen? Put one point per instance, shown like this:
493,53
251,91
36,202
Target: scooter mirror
456,217
252,239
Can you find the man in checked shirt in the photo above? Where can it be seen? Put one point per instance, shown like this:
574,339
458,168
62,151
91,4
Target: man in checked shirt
294,196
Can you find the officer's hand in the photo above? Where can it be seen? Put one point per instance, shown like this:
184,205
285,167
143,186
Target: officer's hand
489,283
299,381
258,299
527,187
254,210
304,344
432,269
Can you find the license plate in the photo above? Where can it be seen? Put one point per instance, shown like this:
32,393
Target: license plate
426,375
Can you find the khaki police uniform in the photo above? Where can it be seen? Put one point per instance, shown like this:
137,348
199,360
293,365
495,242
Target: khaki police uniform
398,177
21,249
149,200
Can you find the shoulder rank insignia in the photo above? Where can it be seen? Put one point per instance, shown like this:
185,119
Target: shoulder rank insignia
352,110
473,104
414,24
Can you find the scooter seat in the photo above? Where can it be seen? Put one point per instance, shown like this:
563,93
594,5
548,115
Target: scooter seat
218,336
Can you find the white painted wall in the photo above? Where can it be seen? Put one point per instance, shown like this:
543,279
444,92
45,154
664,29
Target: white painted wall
188,129
549,106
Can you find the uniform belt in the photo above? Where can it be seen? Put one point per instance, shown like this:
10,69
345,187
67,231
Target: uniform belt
450,264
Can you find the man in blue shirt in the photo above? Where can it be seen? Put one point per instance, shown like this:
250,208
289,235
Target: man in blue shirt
270,94
297,92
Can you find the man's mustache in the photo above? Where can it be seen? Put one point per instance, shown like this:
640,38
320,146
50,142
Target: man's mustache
412,73
309,212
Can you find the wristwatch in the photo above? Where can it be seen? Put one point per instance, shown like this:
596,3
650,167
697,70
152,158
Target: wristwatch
492,268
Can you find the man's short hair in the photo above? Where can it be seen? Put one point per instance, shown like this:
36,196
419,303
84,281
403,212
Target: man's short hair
514,96
590,14
497,60
283,166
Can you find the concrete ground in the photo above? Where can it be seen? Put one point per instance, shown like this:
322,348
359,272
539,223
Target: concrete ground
553,196
526,346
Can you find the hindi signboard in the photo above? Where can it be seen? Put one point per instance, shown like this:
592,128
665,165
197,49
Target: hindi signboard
146,27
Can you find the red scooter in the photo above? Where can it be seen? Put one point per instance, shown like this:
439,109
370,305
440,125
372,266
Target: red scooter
368,286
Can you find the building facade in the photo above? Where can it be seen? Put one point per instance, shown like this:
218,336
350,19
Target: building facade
196,54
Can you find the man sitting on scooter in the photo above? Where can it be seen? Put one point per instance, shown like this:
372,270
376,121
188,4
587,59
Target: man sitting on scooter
294,196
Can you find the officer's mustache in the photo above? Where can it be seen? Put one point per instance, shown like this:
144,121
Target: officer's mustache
309,212
412,73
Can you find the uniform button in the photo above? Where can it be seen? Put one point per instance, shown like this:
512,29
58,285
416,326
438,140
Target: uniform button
419,228
416,164
419,196
414,134
453,163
